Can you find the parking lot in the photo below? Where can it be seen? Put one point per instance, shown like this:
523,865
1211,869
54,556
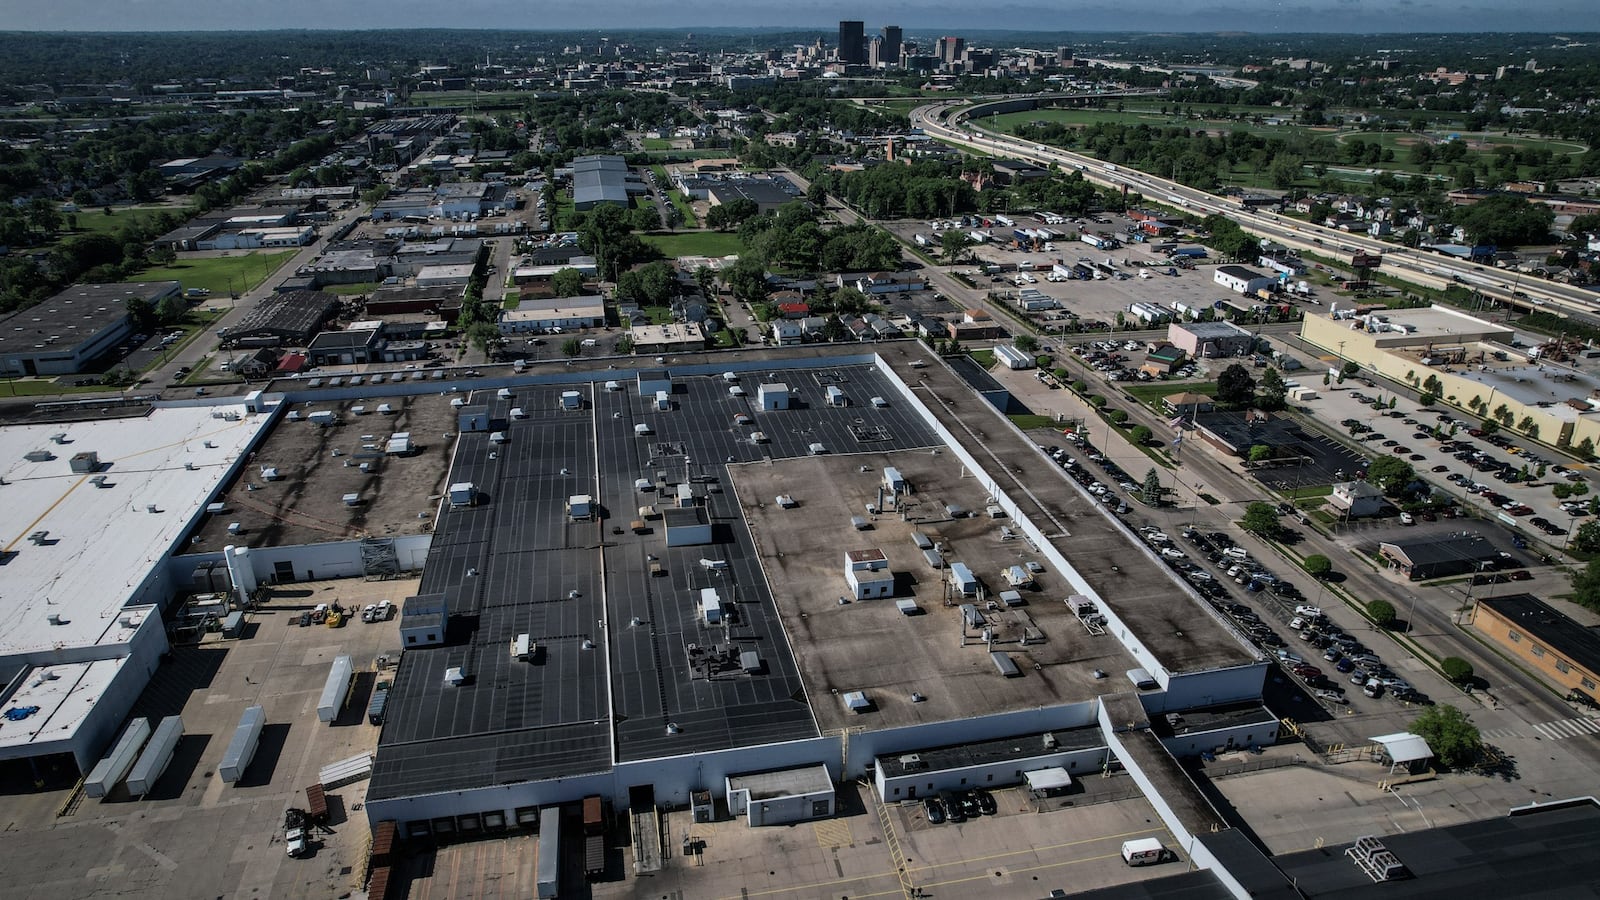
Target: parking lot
193,835
1484,471
1131,273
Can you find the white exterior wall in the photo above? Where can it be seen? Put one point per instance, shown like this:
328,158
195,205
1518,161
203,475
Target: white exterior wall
1262,734
925,783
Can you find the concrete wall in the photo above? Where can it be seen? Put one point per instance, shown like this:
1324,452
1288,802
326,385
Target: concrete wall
334,559
1255,734
1078,762
673,778
867,745
1199,689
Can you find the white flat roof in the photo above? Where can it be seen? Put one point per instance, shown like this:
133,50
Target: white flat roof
100,543
65,695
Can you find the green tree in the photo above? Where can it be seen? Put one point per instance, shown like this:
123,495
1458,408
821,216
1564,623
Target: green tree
1450,734
625,344
141,313
171,310
953,244
1117,416
747,279
1234,385
1152,489
1140,434
1586,585
1587,538
1272,390
1456,669
1381,612
1027,343
484,336
1317,565
1261,518
1260,453
1350,369
1391,474
732,214
1506,219
570,347
567,282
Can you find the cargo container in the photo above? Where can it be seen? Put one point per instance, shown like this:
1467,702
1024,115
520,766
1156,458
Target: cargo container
242,748
156,757
335,689
549,866
594,836
124,753
317,804
378,706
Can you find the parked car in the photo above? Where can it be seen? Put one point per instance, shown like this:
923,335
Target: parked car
934,810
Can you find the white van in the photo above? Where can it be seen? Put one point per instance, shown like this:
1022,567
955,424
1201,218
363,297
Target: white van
1143,852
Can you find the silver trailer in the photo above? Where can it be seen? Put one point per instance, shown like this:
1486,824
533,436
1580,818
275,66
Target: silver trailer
106,773
156,757
242,748
549,868
335,689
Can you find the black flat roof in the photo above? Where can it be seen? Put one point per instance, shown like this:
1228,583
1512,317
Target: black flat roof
516,563
976,753
1579,644
1427,551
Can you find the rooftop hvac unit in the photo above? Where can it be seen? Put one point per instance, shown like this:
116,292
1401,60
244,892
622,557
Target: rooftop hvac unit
53,619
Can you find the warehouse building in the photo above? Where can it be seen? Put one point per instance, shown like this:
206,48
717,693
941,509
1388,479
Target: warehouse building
534,315
283,320
1241,280
67,332
602,179
1210,340
1408,345
76,647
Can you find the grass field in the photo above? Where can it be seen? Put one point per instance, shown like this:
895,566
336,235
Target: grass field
696,243
350,290
1151,394
97,222
220,273
655,143
475,99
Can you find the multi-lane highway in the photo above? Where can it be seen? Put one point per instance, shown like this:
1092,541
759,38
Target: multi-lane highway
949,122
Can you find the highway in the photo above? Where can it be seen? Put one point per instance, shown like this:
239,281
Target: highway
947,121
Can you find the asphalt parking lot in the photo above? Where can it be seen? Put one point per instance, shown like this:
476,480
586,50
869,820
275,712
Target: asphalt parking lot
1390,431
194,835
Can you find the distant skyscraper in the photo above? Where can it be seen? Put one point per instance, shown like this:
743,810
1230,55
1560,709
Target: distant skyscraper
950,50
853,42
875,51
892,39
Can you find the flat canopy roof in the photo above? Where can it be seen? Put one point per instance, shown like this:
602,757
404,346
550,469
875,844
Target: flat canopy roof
1404,747
1053,778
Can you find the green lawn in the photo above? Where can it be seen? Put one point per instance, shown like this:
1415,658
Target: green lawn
350,290
40,387
511,300
97,222
220,274
1150,394
983,358
655,143
696,243
685,208
1030,422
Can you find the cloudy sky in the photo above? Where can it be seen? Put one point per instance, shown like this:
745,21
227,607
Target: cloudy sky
1269,16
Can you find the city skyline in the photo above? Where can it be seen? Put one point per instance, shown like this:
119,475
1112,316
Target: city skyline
1192,16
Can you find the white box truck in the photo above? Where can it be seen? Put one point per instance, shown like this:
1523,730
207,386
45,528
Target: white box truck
1143,852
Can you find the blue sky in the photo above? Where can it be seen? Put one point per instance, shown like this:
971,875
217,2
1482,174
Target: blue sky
1265,16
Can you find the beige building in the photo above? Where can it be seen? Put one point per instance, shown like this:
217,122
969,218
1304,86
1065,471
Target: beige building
1475,367
1561,651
